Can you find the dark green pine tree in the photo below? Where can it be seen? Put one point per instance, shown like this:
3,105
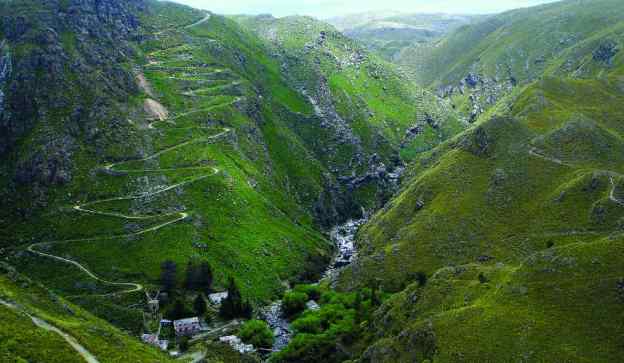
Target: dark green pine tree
204,277
199,305
168,270
190,279
178,311
232,306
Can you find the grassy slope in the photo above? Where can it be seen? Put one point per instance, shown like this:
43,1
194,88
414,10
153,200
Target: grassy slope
248,226
22,341
520,43
373,97
525,199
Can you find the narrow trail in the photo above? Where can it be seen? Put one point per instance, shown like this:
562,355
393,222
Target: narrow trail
205,19
73,342
118,167
533,151
612,196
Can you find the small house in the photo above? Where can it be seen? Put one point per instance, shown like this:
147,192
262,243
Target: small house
217,298
187,326
152,339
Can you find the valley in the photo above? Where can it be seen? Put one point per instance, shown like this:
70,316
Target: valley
180,185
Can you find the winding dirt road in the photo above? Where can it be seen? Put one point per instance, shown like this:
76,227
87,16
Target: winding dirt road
82,351
131,287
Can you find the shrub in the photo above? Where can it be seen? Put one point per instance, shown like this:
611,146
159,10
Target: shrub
312,291
310,323
184,344
199,305
294,303
258,333
421,277
482,278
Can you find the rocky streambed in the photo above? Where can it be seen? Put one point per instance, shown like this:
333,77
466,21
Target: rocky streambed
343,236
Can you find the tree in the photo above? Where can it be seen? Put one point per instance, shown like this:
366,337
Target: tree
375,299
257,333
178,311
422,278
190,280
184,344
168,271
294,302
198,277
233,306
199,305
482,278
204,277
357,306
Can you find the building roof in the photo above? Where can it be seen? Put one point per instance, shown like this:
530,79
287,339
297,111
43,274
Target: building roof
187,321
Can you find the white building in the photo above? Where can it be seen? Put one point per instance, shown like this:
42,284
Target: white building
187,326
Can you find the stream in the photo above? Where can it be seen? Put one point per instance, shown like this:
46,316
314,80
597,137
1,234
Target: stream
343,236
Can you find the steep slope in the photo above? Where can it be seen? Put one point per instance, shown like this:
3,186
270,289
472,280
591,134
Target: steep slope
516,221
195,170
479,64
379,114
168,133
39,326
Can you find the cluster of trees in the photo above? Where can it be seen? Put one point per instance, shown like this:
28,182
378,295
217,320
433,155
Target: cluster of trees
323,334
257,333
198,277
234,306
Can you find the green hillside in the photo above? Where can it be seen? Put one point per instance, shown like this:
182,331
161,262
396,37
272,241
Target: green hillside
517,222
479,64
148,146
34,321
355,89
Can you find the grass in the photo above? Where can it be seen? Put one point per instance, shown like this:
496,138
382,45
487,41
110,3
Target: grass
24,342
529,222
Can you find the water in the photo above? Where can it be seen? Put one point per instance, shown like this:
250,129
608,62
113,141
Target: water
343,236
274,316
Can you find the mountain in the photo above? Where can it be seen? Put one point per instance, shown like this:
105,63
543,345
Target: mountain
152,154
481,63
140,138
398,37
513,229
353,88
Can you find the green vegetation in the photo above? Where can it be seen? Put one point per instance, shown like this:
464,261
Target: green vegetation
506,218
234,306
257,333
294,302
190,153
336,332
22,340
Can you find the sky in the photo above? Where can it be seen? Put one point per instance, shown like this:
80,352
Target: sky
328,8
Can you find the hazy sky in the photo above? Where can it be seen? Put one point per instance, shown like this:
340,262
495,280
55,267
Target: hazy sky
329,8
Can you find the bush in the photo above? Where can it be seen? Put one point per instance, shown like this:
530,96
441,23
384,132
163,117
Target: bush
258,333
310,323
184,344
312,291
482,278
294,303
307,348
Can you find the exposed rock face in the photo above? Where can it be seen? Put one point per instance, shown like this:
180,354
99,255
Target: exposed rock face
606,52
47,91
